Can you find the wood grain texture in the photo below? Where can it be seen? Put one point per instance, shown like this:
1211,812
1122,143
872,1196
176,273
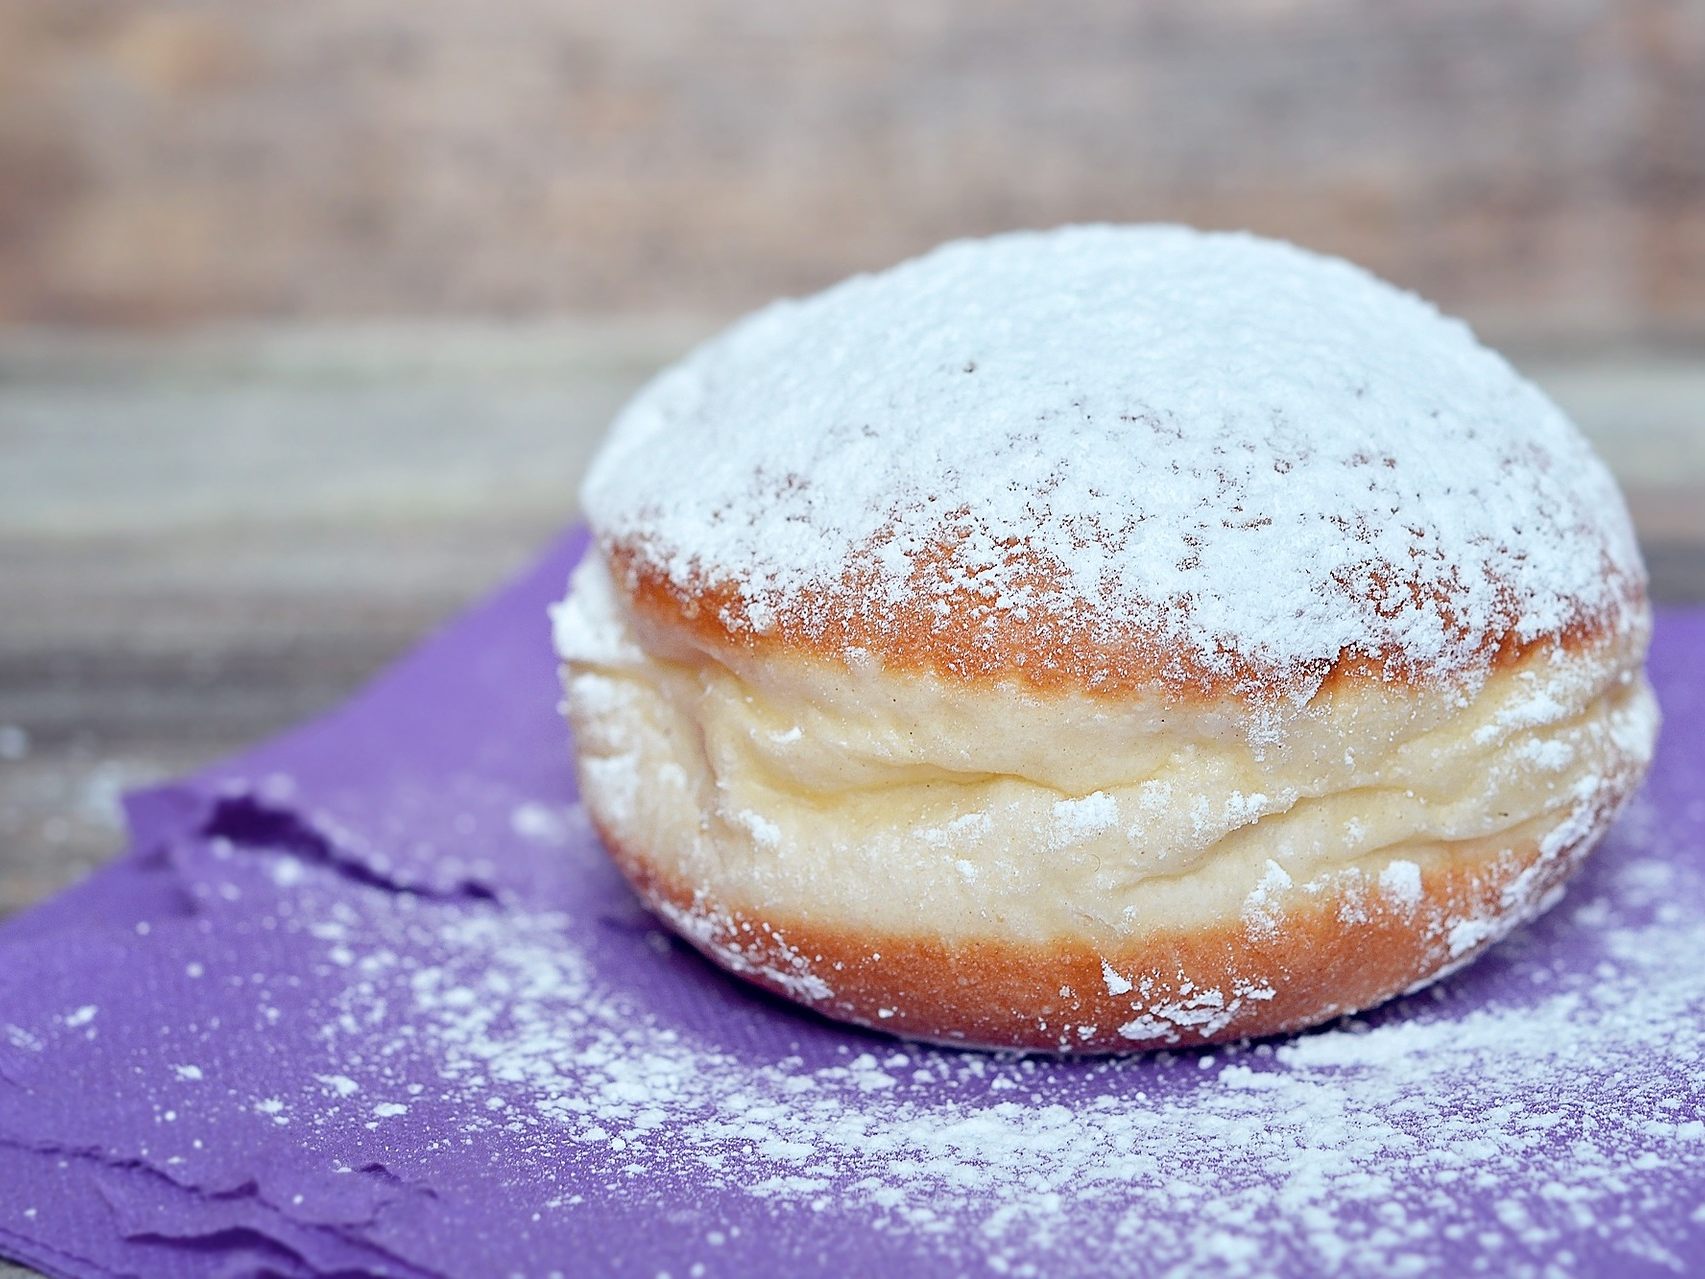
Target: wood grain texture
1537,165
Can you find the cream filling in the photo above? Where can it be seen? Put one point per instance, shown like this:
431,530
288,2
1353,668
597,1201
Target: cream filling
848,795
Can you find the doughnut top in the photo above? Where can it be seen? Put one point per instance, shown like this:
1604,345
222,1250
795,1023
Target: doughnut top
1113,456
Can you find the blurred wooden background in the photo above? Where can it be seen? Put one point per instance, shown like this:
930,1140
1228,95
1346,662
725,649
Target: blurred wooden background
1537,165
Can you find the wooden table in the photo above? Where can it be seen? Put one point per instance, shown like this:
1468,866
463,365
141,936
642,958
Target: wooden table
205,539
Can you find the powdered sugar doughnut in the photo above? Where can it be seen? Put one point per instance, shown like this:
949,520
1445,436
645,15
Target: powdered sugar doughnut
1100,639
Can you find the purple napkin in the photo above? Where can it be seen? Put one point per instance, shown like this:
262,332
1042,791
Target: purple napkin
370,1000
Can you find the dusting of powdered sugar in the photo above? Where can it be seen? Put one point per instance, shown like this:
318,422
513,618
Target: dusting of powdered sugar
1083,817
1261,908
1224,448
1401,882
1348,1150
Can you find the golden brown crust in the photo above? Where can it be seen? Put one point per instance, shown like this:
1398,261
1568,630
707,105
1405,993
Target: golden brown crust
1340,953
954,635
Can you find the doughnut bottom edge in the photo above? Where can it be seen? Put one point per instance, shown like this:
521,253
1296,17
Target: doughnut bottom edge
1327,951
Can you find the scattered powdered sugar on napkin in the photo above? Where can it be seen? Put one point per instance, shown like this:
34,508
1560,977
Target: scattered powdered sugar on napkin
275,1037
1223,446
976,1159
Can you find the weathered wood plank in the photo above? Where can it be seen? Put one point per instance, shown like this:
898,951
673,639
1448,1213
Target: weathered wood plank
1539,166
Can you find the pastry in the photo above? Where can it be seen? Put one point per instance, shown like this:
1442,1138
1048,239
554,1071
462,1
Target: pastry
1102,639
